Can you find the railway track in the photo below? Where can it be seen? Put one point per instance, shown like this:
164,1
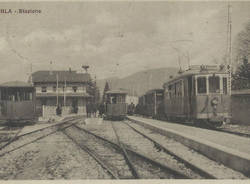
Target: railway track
160,147
139,165
19,141
105,153
186,158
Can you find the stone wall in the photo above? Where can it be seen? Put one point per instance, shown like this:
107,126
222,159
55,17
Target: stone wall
48,111
241,109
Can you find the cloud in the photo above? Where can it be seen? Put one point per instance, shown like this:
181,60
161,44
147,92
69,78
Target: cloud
106,18
134,35
3,43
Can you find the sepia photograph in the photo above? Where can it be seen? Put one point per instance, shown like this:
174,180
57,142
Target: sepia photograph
103,91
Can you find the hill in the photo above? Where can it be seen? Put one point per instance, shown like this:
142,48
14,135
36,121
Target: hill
140,82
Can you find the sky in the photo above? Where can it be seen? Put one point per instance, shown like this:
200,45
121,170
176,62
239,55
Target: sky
114,38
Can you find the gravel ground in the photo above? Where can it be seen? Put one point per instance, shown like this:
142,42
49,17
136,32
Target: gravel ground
212,167
144,146
54,157
104,128
141,145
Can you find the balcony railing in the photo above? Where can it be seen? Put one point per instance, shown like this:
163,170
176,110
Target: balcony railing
67,94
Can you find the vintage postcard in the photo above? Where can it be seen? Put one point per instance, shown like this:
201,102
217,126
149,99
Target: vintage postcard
125,91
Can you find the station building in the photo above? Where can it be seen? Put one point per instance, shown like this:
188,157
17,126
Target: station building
66,89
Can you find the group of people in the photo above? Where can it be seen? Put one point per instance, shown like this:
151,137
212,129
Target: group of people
131,108
92,109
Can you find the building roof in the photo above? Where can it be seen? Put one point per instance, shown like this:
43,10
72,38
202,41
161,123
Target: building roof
15,84
116,91
51,76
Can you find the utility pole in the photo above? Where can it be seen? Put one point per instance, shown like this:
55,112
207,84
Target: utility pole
57,89
65,87
179,58
188,58
30,78
229,47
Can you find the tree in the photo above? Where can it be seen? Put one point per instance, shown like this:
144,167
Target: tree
242,44
106,88
94,91
241,78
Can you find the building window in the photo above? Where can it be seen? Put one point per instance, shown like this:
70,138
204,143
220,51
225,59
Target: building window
44,89
54,88
201,85
74,88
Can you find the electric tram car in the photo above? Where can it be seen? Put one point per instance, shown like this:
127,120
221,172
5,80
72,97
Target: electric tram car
200,94
116,106
151,103
17,102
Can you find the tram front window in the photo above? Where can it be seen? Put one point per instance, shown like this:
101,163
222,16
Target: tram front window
214,84
201,85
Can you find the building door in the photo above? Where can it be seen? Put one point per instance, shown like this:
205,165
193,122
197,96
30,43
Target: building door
75,105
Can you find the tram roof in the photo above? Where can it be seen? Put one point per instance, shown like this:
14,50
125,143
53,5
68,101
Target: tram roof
154,90
15,84
199,69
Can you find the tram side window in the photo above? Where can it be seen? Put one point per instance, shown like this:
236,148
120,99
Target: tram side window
224,85
214,84
170,91
201,85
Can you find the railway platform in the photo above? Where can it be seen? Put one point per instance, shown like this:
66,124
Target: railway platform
231,150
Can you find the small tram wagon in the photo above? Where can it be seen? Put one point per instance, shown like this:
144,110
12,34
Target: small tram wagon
199,94
150,104
17,102
116,106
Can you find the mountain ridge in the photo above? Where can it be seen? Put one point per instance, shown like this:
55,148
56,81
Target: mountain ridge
140,82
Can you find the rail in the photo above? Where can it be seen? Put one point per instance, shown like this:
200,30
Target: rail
39,138
167,151
163,167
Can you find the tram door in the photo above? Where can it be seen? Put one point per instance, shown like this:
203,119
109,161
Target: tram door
190,105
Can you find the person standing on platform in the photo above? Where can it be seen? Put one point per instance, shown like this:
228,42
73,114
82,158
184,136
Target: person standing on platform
94,109
101,109
88,109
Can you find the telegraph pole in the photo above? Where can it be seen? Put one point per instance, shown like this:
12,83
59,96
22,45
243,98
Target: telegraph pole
229,47
57,90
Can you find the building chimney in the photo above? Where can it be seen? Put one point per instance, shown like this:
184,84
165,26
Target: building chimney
85,67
